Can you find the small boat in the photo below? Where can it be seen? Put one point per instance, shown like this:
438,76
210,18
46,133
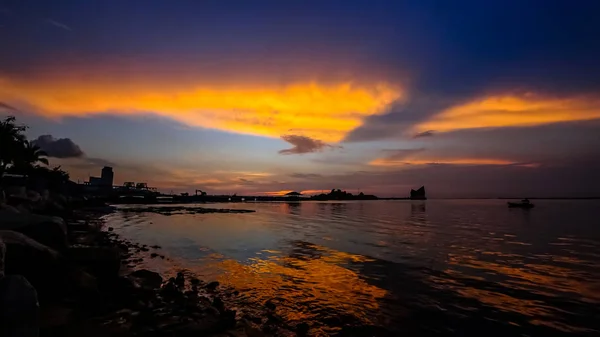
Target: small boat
520,205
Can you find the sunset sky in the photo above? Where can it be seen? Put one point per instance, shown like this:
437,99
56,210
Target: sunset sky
469,98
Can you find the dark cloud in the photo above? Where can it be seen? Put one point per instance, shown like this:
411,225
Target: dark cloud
303,144
243,181
305,175
399,154
401,116
428,133
4,106
58,147
543,143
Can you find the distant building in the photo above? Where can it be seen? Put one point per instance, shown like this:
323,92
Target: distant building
107,176
102,184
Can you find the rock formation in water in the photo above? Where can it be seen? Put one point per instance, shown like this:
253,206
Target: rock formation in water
418,194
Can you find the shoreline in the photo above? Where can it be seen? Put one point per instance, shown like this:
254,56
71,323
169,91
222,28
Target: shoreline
93,288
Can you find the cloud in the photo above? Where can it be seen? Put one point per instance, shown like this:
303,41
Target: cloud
403,157
512,111
428,133
59,25
58,148
397,154
324,111
303,144
305,175
4,106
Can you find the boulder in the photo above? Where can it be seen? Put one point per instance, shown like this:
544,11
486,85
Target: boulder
147,278
2,255
102,262
48,230
19,307
41,265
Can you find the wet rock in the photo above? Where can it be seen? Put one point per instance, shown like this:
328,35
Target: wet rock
147,278
82,281
156,247
270,305
102,262
212,285
153,255
144,249
253,319
252,330
194,281
302,329
227,319
180,280
218,304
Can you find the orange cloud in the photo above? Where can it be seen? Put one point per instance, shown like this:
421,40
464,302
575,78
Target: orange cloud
321,111
511,111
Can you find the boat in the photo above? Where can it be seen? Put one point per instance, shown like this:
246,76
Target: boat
520,205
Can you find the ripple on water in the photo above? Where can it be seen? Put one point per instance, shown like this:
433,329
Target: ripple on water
467,268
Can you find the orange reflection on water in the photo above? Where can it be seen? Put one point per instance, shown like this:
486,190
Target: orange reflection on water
307,283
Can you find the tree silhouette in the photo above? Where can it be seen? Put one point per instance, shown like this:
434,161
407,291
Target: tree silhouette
12,141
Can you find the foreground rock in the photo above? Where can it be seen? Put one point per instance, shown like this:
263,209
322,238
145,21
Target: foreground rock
48,230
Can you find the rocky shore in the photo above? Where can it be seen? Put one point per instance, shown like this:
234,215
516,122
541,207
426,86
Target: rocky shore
81,273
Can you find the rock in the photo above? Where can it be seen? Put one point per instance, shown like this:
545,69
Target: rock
212,285
270,305
102,262
19,308
155,247
153,255
41,265
48,230
110,229
144,249
55,316
147,278
83,281
2,255
252,330
194,281
218,304
180,280
227,319
302,329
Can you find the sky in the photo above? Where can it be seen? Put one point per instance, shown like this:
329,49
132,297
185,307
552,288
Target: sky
469,98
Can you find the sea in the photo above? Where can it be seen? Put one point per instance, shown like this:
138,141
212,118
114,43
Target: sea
391,268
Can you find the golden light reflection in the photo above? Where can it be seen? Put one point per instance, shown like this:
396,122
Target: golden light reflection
325,112
511,111
541,279
308,281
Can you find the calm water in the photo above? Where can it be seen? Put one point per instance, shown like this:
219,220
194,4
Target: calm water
439,267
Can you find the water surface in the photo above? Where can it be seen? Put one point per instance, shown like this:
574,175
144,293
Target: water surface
438,267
